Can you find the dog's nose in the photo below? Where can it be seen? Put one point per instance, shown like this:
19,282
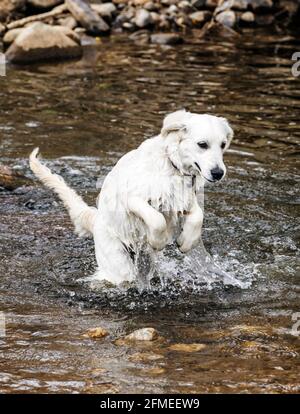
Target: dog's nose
217,173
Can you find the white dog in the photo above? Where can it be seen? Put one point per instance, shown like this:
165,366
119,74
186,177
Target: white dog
149,193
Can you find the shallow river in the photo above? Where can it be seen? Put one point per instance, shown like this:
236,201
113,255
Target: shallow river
84,116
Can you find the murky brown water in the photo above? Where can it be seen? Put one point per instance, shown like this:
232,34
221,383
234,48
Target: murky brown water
84,116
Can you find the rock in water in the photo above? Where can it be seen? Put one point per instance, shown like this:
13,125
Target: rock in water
166,39
96,333
11,179
87,17
187,347
248,17
143,18
144,334
44,4
227,18
43,42
105,9
198,18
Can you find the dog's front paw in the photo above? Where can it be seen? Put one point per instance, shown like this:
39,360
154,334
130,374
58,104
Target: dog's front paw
158,236
184,244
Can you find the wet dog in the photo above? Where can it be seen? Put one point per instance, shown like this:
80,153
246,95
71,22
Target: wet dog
150,192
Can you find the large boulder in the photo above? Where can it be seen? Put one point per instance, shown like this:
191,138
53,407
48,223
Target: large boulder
43,42
87,17
9,7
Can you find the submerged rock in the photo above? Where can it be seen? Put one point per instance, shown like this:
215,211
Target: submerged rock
96,333
43,42
87,17
145,357
166,39
144,334
216,29
187,347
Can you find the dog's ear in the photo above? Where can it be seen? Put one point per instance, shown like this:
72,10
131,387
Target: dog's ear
171,128
228,131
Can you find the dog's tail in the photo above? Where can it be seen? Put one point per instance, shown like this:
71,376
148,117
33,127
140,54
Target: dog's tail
82,216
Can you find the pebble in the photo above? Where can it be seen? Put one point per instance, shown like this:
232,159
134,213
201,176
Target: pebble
96,333
143,334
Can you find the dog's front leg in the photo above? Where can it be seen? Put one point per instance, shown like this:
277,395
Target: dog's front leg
157,232
192,227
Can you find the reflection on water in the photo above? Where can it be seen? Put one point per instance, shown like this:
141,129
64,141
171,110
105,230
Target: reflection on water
84,116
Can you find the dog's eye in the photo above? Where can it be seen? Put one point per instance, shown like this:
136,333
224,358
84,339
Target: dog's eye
223,145
203,145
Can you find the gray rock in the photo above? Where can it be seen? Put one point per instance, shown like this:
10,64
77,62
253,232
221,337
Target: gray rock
44,4
143,18
172,9
87,17
248,17
198,18
226,18
105,9
43,42
69,22
166,39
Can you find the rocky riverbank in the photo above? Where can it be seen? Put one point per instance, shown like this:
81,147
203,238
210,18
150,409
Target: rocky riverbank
50,29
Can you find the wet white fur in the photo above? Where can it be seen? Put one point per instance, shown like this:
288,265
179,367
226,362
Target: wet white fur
144,196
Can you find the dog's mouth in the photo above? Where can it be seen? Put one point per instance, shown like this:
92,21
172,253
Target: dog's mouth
200,171
198,167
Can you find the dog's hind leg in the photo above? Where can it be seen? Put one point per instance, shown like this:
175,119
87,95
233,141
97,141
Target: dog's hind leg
115,262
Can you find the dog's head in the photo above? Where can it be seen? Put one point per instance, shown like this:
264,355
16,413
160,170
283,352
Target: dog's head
196,143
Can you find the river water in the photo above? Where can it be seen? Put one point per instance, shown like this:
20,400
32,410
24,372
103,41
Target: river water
85,115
